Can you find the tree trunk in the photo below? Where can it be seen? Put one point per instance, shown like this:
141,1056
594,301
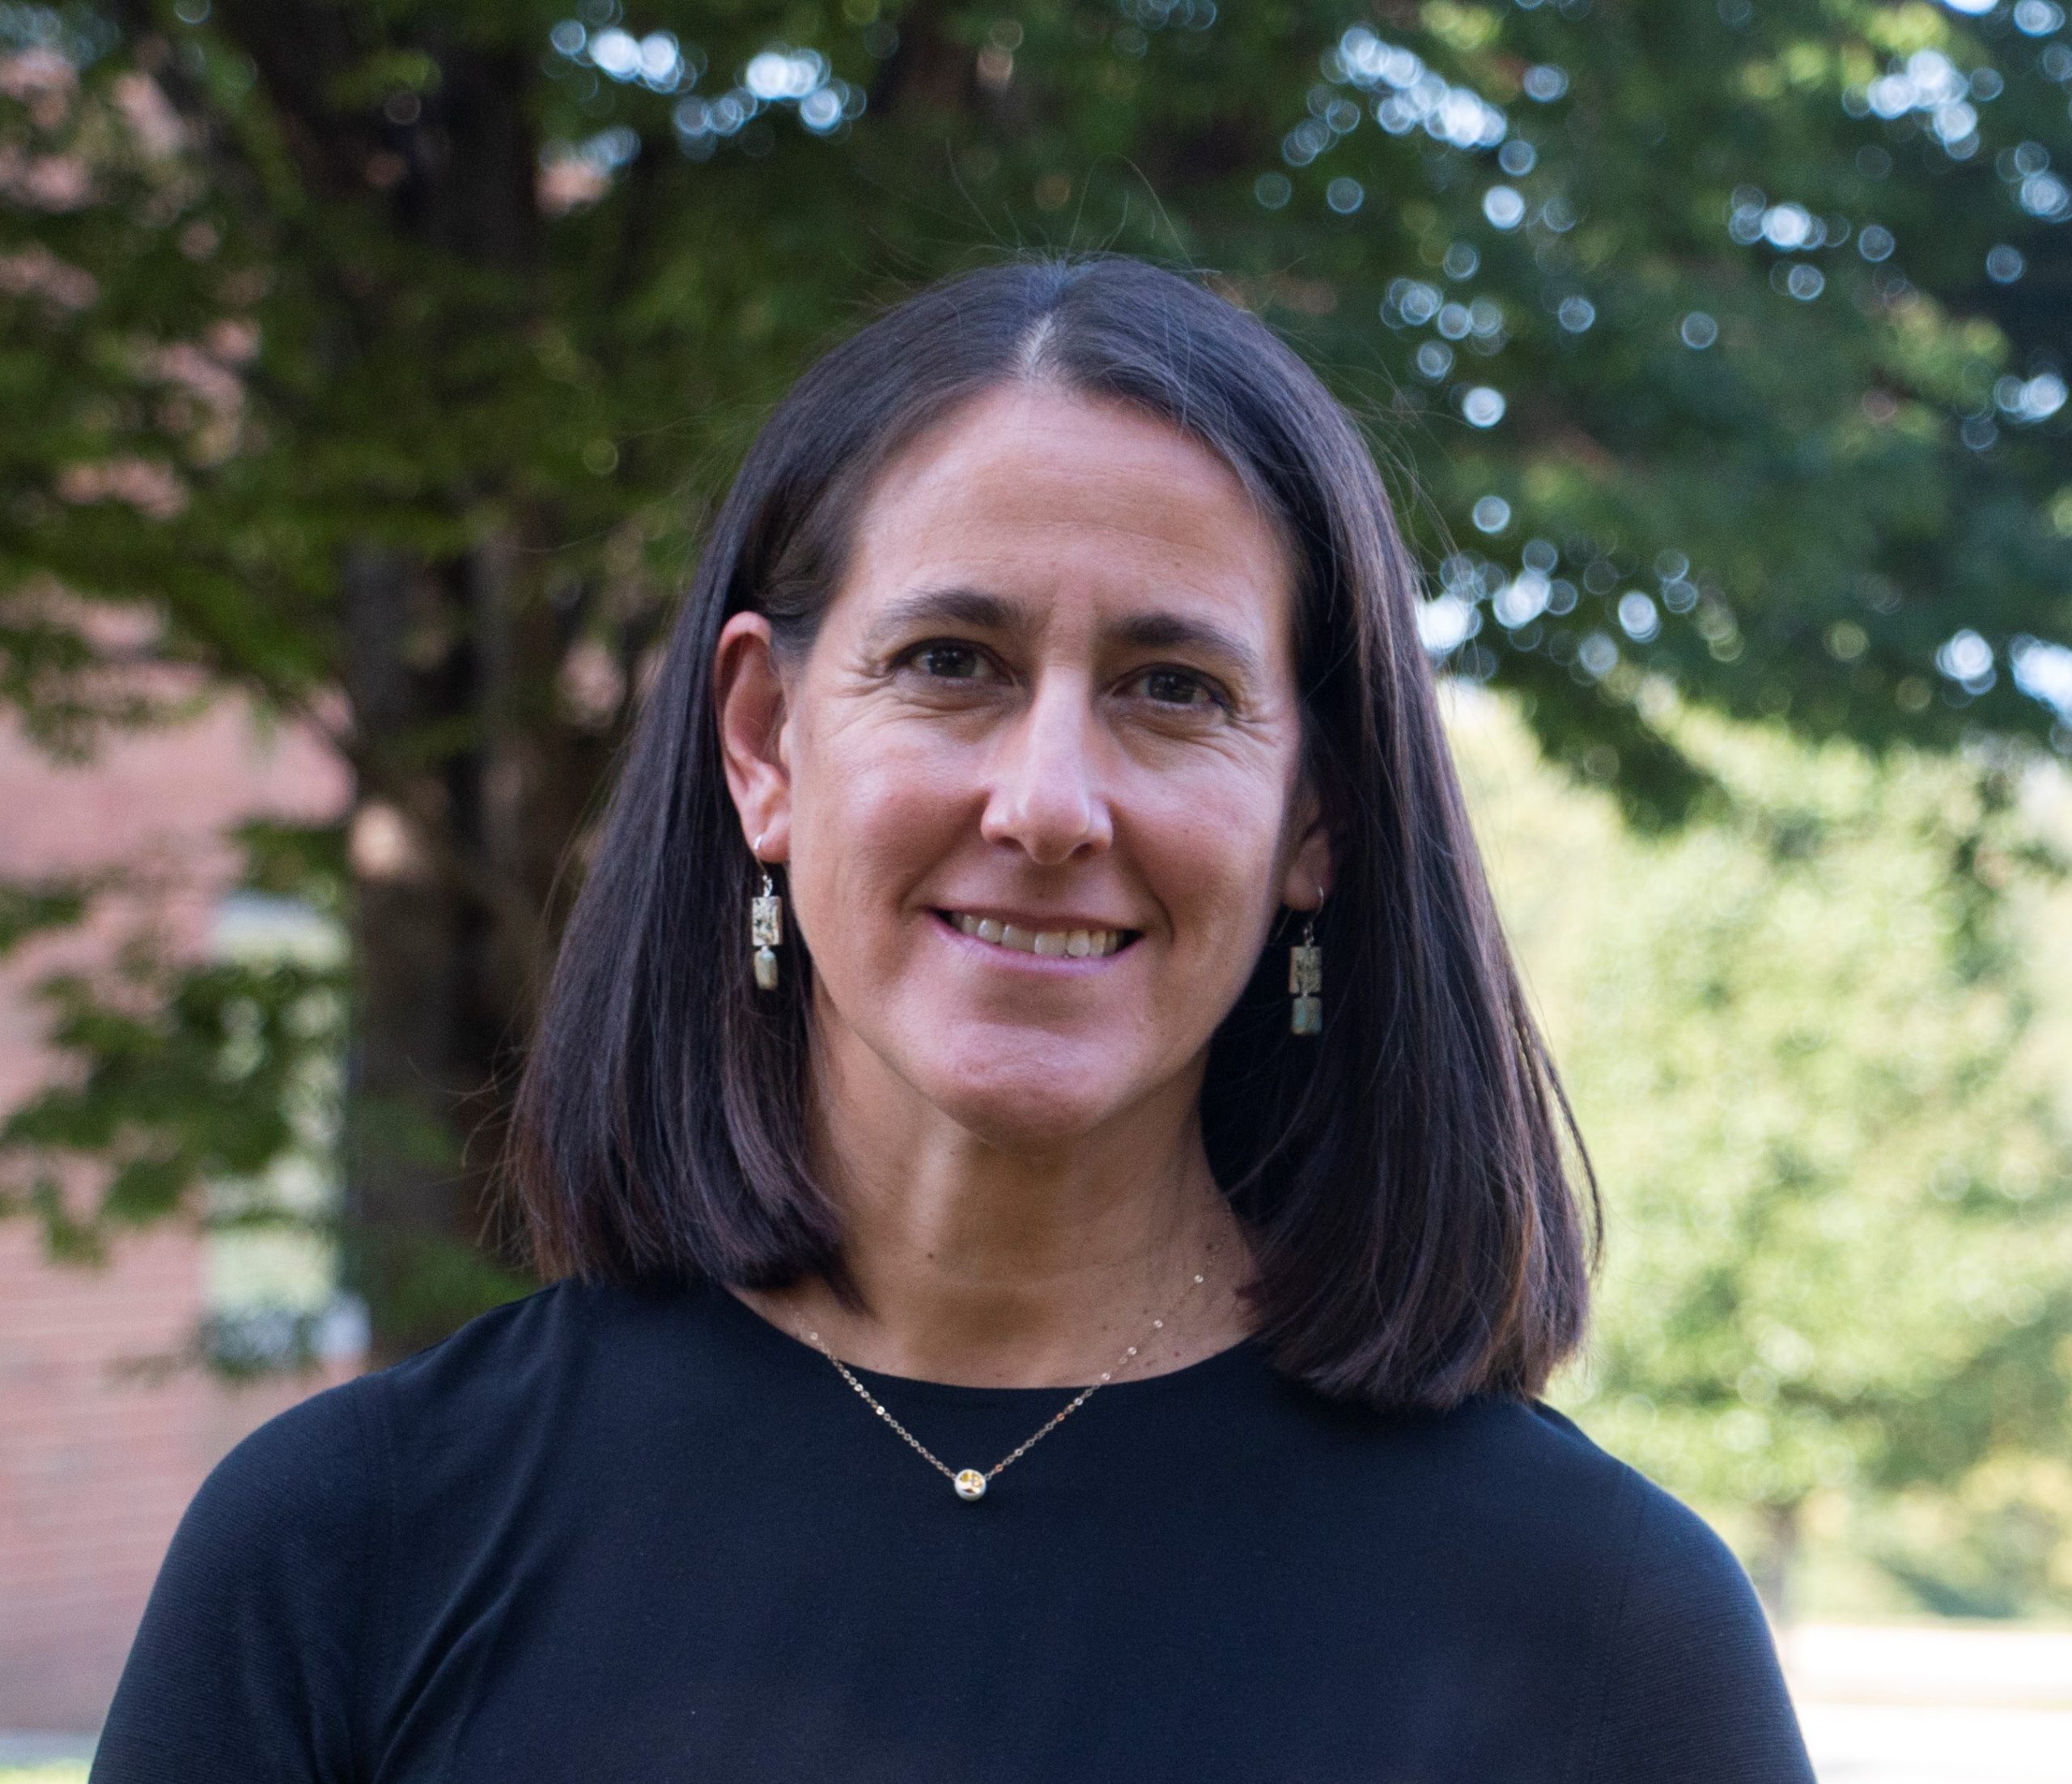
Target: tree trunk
468,790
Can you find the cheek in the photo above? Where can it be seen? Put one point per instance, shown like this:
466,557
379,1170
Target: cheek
1209,846
871,813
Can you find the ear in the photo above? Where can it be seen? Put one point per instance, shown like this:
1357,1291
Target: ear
1307,881
749,696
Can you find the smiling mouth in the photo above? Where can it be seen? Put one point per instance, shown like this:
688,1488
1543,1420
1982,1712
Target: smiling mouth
1072,944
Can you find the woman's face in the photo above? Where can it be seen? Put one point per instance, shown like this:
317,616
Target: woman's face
1037,780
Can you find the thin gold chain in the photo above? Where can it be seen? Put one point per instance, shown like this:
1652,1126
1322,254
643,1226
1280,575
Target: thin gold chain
961,1478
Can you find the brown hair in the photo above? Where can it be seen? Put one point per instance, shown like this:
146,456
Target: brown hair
1402,1175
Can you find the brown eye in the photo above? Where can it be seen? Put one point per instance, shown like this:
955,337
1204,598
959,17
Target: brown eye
1178,688
948,661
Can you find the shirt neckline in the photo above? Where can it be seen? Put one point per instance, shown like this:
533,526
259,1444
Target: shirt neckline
767,1334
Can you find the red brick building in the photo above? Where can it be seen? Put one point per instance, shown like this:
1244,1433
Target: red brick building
97,1460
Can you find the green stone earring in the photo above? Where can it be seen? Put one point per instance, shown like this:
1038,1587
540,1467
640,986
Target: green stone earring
765,929
1306,981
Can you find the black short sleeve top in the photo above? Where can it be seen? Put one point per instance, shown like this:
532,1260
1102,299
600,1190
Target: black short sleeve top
606,1535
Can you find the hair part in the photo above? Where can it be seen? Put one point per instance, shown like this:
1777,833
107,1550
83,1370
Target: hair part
1419,1234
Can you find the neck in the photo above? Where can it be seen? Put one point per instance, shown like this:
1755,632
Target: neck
988,1265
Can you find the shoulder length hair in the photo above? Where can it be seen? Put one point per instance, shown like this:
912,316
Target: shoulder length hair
1402,1175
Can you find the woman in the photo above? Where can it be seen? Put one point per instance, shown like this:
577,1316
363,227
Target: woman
1060,1212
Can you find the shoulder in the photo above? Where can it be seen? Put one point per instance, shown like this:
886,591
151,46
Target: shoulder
1687,1680
301,1478
1517,1468
245,1663
1673,1564
1688,1683
320,1463
1664,1563
502,1351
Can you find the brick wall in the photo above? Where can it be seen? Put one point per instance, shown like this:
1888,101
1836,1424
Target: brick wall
96,1461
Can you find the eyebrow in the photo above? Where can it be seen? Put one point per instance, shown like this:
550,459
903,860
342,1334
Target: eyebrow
1155,629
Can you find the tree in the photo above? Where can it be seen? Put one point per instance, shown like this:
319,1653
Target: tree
389,351
1835,1142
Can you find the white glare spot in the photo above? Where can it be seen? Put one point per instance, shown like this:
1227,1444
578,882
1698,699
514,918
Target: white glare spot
2031,399
784,74
1418,302
1576,314
1953,123
1523,600
1598,654
2004,264
1344,195
1699,330
1482,406
1805,282
2043,671
616,53
661,60
1444,622
1637,617
1493,514
2046,196
1503,207
1965,656
1787,226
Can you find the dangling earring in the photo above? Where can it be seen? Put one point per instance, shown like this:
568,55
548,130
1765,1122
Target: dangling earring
765,929
1305,980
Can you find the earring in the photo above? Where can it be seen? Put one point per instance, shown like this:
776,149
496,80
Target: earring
765,929
1305,979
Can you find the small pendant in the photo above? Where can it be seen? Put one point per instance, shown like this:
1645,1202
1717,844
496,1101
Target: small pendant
970,1484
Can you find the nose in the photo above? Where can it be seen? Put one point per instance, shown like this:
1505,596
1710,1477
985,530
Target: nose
1047,795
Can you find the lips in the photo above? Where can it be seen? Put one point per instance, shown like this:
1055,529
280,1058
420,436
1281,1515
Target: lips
1070,942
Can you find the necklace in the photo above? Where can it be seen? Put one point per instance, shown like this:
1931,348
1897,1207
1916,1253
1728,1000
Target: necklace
970,1482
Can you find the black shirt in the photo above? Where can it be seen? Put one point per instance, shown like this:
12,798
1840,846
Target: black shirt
603,1536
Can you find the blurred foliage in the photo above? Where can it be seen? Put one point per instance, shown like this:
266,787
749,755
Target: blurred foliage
381,359
1835,1140
185,1072
285,280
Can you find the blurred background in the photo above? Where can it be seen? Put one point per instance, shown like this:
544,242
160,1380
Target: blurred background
369,370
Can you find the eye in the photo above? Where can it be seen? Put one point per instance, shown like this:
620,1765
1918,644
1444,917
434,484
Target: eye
946,660
1179,688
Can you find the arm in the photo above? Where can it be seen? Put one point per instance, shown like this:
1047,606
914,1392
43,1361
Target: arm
1693,1693
248,1663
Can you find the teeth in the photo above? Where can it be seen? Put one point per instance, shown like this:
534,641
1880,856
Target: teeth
1079,944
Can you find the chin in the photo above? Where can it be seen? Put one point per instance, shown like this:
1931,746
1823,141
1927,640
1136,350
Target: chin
1029,1101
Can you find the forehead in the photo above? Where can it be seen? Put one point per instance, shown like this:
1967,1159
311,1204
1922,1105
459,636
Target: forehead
1045,492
